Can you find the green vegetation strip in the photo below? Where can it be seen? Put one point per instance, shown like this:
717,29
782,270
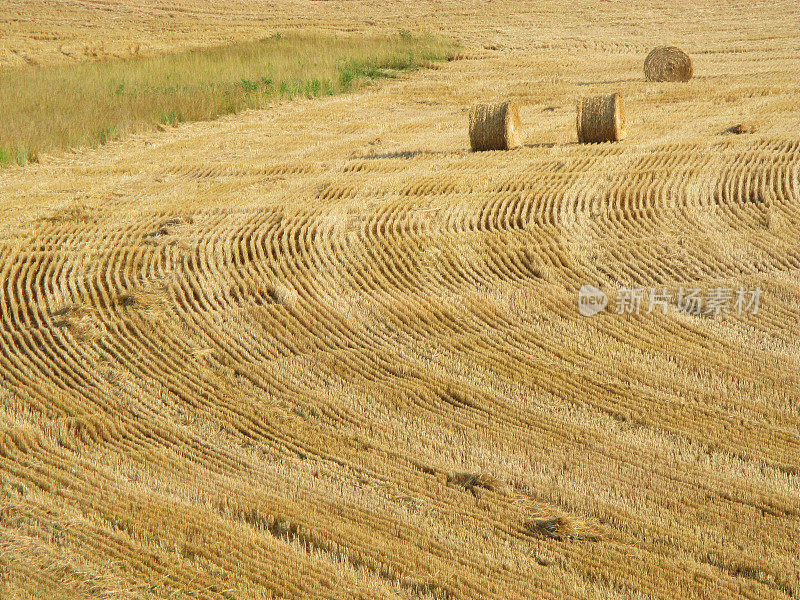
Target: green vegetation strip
53,108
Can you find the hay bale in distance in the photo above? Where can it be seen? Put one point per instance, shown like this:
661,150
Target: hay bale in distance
495,126
601,119
668,63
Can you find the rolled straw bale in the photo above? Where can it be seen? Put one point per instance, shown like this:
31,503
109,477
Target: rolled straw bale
495,126
601,119
668,63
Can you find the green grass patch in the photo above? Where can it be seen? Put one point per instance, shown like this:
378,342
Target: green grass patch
54,108
19,155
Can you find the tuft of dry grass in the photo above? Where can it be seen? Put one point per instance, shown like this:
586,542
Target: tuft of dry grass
471,481
64,106
563,528
740,128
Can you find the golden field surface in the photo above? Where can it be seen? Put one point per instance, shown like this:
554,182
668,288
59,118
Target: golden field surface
322,350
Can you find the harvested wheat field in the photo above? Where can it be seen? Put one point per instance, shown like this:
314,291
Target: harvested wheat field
324,350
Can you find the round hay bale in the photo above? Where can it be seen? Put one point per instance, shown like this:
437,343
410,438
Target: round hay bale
495,126
601,119
668,63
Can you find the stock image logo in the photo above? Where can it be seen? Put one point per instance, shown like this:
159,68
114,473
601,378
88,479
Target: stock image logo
687,300
591,300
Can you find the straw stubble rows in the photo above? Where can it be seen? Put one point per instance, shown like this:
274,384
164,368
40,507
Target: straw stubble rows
325,351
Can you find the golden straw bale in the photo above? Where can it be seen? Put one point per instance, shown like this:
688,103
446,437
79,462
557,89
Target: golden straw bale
668,63
495,126
601,119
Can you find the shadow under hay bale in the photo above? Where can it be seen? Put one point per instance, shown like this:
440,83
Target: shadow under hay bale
601,119
668,63
495,126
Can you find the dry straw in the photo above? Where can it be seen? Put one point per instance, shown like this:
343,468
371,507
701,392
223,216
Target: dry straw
668,63
601,119
495,126
564,528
